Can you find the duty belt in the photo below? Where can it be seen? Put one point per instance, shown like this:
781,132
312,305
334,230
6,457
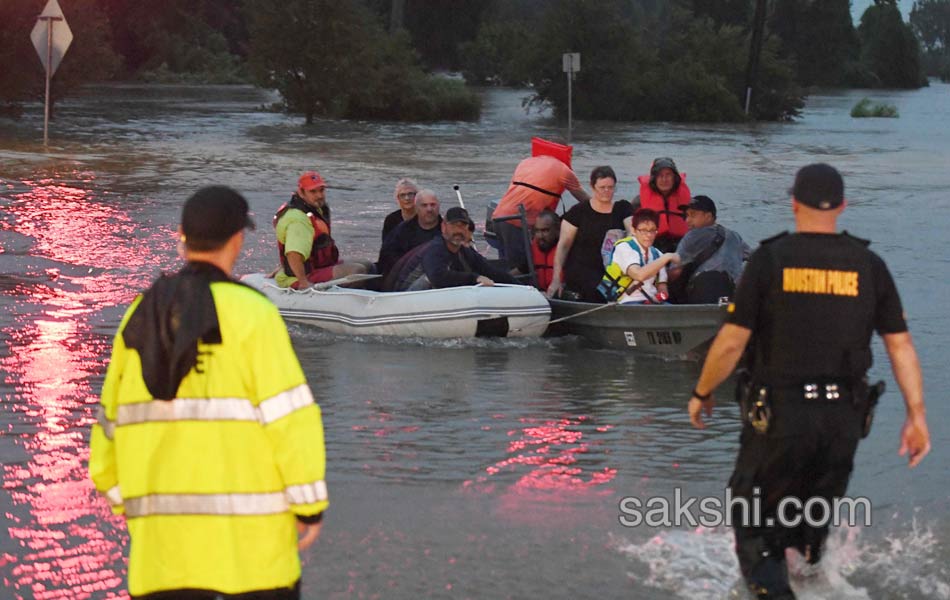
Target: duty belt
828,391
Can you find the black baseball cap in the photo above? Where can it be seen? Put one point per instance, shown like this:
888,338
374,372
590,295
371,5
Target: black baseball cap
703,203
819,186
457,214
213,214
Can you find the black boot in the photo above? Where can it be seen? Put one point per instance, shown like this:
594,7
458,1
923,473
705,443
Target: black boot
764,569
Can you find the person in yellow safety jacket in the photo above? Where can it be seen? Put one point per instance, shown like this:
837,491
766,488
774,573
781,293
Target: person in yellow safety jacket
208,439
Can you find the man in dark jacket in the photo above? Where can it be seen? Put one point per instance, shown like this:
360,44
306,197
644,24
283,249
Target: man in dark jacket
449,261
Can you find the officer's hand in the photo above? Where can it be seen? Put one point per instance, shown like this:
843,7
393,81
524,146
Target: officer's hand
482,280
307,534
554,289
697,407
915,439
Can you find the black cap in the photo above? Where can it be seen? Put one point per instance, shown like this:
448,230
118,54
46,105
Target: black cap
213,214
819,186
703,203
457,214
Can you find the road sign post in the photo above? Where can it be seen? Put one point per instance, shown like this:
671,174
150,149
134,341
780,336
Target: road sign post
51,37
571,63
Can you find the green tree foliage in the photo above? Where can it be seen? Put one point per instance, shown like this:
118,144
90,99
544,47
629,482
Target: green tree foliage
888,47
333,58
199,40
89,59
820,37
438,28
930,20
654,61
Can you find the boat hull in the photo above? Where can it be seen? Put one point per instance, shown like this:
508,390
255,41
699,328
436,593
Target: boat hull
671,330
471,311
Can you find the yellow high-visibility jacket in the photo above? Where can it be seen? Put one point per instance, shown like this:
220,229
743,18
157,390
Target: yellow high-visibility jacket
211,482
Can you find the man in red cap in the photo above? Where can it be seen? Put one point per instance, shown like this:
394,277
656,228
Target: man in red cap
308,253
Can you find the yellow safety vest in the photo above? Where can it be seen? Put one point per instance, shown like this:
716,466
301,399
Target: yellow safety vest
615,280
210,481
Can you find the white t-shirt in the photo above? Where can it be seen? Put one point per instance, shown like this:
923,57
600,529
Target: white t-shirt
630,253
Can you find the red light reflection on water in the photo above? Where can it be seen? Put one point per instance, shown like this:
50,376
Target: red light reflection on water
549,451
70,545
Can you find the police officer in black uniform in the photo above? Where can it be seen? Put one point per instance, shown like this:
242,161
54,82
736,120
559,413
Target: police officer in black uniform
806,307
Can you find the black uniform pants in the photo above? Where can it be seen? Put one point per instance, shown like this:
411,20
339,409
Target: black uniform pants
292,593
808,452
708,287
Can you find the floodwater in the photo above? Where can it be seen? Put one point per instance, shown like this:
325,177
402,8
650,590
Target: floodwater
457,469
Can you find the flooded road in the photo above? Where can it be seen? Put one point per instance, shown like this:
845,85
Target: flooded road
457,469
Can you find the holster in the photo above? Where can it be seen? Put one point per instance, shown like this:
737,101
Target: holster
754,402
867,395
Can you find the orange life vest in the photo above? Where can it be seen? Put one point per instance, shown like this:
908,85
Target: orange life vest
672,220
543,264
324,252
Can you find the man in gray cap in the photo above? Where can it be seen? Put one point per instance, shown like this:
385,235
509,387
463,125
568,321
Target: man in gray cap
809,301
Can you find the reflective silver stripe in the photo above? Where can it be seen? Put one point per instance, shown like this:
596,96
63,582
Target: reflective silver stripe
206,504
284,403
307,493
188,409
108,427
114,496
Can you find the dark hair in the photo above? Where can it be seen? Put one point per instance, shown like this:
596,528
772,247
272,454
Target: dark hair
602,173
547,212
642,215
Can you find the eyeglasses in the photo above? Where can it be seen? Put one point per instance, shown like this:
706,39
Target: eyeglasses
407,195
647,231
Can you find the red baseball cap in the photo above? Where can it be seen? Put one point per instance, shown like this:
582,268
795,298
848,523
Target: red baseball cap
311,180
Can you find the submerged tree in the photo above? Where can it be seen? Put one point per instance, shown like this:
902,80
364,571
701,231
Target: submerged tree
333,58
821,38
656,61
930,20
889,48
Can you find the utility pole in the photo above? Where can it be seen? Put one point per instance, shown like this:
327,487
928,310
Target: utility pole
571,63
755,49
397,16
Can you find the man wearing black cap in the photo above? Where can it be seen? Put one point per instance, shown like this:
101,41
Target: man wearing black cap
449,260
208,439
712,257
809,302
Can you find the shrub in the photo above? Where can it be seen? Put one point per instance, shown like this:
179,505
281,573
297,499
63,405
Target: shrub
865,108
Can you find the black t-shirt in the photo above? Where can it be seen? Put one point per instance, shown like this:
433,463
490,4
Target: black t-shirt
406,236
391,222
584,265
812,302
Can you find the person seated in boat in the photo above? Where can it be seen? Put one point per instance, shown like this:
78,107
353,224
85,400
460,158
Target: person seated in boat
545,234
537,183
637,273
588,233
712,257
418,230
405,195
663,190
449,260
308,253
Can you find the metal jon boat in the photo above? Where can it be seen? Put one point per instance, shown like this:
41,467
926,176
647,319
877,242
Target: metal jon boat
459,312
667,330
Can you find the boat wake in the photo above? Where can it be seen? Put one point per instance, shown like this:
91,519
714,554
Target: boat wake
701,563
